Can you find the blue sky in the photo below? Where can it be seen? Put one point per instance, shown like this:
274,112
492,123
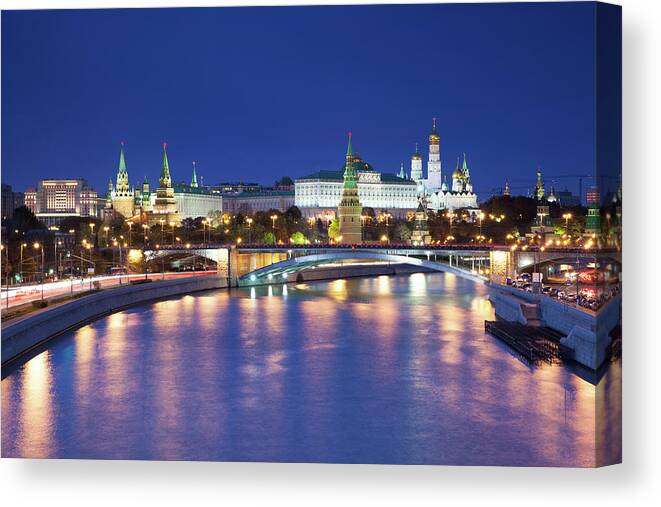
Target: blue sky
256,93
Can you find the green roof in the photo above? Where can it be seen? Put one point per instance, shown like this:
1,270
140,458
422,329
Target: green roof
184,188
165,168
339,176
267,193
122,162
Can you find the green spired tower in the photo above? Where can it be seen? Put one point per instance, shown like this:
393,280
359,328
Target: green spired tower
193,181
165,207
122,197
350,209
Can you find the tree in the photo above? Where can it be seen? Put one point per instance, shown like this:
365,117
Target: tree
334,229
402,232
268,238
293,214
24,220
298,238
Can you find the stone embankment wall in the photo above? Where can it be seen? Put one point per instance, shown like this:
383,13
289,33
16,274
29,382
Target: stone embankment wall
22,334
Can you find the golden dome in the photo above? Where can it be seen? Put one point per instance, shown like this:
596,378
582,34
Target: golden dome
416,156
456,175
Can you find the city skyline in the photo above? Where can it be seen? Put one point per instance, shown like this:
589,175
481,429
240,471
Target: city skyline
286,112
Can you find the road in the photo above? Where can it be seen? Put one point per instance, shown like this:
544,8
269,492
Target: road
21,294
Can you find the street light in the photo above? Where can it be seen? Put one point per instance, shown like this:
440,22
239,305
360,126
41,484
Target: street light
274,218
23,245
249,222
106,229
145,228
162,225
567,217
204,231
481,217
92,224
172,225
37,246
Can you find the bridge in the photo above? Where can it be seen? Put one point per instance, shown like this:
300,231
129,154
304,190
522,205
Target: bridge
246,265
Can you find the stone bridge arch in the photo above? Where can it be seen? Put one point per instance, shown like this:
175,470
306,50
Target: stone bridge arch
285,269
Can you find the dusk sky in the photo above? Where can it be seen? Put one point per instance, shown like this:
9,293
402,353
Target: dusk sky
253,94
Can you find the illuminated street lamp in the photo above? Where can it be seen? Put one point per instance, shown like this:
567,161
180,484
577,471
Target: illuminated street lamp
480,216
106,229
274,218
145,228
249,222
162,221
204,231
172,225
567,217
92,224
37,246
23,245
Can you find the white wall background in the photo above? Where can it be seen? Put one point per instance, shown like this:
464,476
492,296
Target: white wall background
637,482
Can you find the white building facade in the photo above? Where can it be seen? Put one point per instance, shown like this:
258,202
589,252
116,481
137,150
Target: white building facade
322,190
436,191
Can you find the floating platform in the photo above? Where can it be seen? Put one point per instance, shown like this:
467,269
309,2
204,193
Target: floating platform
535,344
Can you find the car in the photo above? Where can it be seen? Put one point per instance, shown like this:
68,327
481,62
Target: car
525,276
570,297
546,290
569,281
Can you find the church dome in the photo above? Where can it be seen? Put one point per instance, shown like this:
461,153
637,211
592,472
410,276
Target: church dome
456,175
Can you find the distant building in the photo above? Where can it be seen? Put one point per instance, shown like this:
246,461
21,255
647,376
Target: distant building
566,198
420,234
10,201
55,200
193,201
251,202
593,218
506,190
539,186
435,189
235,187
169,203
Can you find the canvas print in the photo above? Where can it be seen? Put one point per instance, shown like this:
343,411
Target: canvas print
383,234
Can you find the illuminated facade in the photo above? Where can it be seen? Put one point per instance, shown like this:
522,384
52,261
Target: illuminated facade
320,192
169,203
54,200
434,189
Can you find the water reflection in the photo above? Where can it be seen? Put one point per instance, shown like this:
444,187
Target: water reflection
36,432
381,370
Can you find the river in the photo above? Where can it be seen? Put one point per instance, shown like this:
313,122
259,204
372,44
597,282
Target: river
371,370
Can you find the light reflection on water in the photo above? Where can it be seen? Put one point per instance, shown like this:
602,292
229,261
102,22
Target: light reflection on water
376,370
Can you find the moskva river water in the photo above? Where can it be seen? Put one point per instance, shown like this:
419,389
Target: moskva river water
371,370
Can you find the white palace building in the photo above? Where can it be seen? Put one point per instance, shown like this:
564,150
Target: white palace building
320,192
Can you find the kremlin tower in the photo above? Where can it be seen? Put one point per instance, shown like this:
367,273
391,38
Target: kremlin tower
434,179
165,207
350,209
122,197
